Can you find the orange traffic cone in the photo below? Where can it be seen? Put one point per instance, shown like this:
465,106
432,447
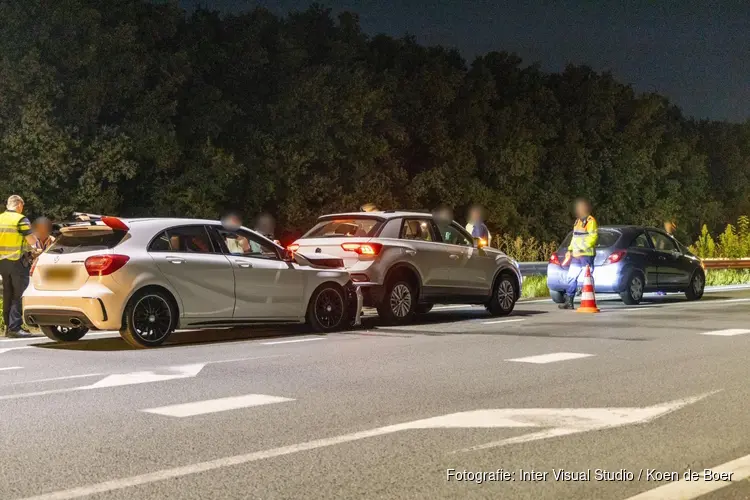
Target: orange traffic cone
588,300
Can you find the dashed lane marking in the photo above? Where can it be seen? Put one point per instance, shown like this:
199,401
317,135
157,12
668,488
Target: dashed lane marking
7,368
719,477
216,405
276,342
503,321
551,358
727,333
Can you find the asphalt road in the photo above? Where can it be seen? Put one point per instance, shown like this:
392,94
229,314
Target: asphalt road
388,412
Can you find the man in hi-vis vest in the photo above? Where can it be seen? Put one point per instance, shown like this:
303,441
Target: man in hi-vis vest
15,231
581,251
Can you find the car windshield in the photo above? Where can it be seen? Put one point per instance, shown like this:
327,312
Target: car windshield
345,228
86,241
607,238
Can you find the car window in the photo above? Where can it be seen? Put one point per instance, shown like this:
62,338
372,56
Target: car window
662,242
345,228
86,241
449,233
640,241
606,239
183,239
417,229
247,244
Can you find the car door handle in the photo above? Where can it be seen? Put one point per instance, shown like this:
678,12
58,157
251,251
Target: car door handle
176,260
411,252
454,256
244,265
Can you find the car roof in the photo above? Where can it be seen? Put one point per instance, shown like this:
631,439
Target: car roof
382,214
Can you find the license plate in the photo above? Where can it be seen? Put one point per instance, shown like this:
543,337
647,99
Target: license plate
58,274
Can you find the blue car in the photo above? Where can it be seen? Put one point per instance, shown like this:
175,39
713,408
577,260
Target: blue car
631,261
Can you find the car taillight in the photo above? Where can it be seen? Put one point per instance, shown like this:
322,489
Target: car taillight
363,248
554,259
293,247
615,257
103,265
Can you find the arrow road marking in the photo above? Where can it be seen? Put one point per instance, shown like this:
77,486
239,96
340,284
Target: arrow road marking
580,419
145,377
14,348
565,421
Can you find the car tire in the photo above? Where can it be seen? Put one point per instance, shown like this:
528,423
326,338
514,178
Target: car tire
424,308
327,310
557,297
696,287
149,319
64,333
634,286
399,304
504,295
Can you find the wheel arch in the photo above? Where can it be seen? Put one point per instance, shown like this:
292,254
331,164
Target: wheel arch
510,272
411,272
158,288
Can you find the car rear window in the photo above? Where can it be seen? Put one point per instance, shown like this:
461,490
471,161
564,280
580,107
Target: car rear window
345,228
606,239
88,241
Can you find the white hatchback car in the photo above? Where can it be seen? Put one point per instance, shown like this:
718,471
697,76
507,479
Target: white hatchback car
405,262
148,277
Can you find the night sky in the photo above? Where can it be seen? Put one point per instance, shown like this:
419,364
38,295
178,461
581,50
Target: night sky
696,52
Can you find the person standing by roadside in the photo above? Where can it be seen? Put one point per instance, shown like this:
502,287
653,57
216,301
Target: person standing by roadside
42,229
15,232
476,226
581,250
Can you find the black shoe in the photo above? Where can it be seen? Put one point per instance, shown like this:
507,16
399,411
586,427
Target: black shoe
568,304
20,334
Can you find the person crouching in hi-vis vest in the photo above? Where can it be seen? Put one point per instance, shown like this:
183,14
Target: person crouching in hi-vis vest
581,250
15,233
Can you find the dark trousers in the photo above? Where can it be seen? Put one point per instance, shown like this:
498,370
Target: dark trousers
15,280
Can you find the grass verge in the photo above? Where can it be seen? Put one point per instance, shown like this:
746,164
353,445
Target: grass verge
718,277
534,286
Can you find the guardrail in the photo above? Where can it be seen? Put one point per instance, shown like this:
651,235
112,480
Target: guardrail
540,268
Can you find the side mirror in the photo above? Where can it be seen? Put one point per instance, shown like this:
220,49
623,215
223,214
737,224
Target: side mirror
480,243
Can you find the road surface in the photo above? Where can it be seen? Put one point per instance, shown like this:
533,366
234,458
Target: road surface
634,395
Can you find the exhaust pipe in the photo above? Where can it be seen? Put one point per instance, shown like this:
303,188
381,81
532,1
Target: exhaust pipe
75,322
31,321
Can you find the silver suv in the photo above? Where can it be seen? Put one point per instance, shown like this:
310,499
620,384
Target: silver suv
405,262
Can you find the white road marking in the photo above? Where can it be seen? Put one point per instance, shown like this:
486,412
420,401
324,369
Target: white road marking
124,379
582,420
291,341
727,333
145,377
738,470
503,321
551,358
6,368
14,348
216,405
69,377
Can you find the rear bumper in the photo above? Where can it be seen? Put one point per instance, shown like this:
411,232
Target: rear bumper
94,305
607,278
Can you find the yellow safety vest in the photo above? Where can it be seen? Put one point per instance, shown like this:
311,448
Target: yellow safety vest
585,236
13,229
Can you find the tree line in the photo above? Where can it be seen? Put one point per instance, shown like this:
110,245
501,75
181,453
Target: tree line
139,108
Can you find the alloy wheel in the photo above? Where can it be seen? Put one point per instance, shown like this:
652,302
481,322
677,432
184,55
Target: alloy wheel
505,294
698,284
400,300
636,288
152,318
329,308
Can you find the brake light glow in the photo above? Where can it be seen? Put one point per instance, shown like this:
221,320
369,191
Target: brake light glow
115,223
554,259
616,257
293,247
370,249
104,265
